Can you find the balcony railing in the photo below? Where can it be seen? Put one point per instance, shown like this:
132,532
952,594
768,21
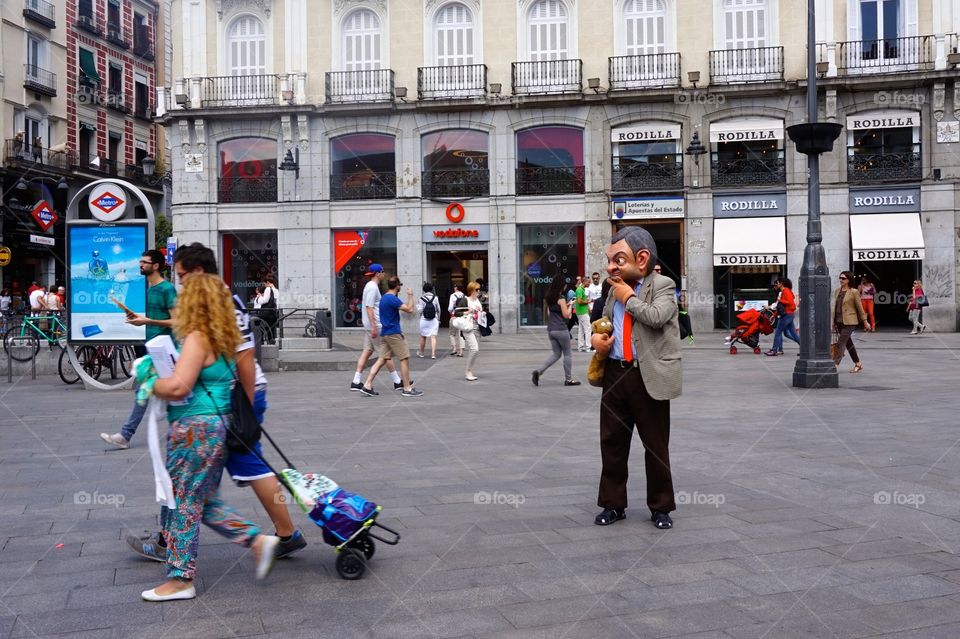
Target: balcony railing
372,85
748,171
892,166
238,189
649,175
22,152
548,76
451,83
732,66
890,55
88,23
143,48
40,11
116,102
39,80
116,35
241,90
455,183
547,180
365,185
644,71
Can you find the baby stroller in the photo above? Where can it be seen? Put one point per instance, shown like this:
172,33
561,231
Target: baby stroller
347,519
753,324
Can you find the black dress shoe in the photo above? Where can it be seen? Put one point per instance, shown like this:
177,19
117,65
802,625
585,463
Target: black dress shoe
610,515
535,378
661,520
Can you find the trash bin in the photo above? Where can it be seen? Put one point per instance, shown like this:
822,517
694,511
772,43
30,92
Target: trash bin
324,320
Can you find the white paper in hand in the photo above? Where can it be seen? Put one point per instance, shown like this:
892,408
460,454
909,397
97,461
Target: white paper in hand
161,478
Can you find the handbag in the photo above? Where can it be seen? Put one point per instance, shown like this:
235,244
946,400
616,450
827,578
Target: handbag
462,323
835,352
243,431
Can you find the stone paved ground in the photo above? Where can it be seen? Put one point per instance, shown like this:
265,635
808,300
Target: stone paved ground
830,513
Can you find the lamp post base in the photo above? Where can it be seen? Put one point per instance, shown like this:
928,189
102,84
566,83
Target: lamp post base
815,373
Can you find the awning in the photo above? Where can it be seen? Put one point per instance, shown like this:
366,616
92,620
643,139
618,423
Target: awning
746,130
887,119
743,241
88,66
886,237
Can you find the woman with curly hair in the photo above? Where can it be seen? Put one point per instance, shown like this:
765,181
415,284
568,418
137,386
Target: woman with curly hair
203,378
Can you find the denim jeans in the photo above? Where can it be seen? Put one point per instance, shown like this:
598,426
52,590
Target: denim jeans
129,427
784,327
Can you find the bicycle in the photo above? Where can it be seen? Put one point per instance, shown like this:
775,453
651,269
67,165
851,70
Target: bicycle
22,343
93,359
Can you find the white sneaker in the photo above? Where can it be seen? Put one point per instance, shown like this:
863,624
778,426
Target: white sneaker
117,440
913,332
265,561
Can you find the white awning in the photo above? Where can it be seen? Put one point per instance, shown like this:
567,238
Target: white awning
646,132
746,130
739,241
886,237
886,119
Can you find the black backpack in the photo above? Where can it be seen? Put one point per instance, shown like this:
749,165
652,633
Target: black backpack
429,310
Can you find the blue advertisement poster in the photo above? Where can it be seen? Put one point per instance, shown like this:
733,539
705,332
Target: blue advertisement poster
104,272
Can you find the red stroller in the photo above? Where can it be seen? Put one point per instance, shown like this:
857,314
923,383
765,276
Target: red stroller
754,323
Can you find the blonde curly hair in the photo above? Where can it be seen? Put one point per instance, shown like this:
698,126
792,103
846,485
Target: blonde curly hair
204,305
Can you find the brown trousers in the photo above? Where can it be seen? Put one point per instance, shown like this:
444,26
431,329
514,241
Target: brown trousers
625,403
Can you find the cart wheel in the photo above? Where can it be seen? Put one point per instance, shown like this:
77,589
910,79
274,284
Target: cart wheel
756,351
733,350
350,565
365,545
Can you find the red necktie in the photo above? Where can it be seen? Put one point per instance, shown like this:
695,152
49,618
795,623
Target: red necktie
627,336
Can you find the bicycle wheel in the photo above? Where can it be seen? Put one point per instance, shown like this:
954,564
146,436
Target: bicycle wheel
20,347
87,356
125,356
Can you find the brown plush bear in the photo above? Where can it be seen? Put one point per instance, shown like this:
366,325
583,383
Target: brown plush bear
595,368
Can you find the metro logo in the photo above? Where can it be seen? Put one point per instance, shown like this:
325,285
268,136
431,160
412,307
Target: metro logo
107,202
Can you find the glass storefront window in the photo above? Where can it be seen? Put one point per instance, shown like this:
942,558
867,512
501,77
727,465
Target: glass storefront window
546,252
748,163
884,155
641,165
550,160
248,170
455,163
363,167
353,251
247,258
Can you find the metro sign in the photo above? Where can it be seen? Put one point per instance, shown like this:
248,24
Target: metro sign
108,202
105,204
44,214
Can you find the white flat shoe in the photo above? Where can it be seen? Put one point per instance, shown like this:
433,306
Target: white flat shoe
151,595
471,378
265,561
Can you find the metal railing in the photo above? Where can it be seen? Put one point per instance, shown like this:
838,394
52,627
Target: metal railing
115,101
372,85
239,189
455,183
549,180
893,166
649,175
889,55
40,11
142,46
39,80
731,66
20,152
748,171
271,324
644,71
547,76
88,22
241,90
365,185
116,35
452,82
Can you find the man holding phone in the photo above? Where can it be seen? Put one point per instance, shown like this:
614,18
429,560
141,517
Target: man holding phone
158,320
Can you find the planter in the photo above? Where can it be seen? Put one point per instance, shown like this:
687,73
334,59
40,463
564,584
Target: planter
814,138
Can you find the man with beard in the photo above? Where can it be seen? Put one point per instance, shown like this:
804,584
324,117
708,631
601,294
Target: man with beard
161,297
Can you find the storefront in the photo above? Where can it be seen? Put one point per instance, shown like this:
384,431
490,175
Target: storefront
353,252
749,251
887,246
663,217
455,254
546,252
247,258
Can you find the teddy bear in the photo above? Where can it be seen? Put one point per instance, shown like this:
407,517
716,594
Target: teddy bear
595,368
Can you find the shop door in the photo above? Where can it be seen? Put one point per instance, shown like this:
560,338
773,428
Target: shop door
740,287
668,234
447,267
893,281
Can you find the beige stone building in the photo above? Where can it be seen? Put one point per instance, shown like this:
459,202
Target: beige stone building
507,139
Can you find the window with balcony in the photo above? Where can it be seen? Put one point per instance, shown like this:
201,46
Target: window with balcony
86,18
884,155
550,160
246,46
455,46
114,154
747,53
547,27
41,11
142,42
644,59
87,139
363,77
883,38
115,32
647,157
88,79
548,45
248,170
115,87
453,36
455,164
748,163
361,41
36,75
363,167
141,96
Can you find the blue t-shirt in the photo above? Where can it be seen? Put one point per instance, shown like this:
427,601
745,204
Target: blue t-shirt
390,314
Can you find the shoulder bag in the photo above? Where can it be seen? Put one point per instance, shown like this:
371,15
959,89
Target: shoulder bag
243,431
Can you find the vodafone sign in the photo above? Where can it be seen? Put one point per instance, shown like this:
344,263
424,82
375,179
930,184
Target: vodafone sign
107,202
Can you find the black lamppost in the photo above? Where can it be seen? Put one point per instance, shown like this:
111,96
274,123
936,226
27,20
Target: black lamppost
814,368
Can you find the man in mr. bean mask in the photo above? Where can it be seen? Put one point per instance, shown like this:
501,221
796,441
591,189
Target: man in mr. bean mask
642,375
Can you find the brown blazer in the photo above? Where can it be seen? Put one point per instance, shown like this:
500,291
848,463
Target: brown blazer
853,313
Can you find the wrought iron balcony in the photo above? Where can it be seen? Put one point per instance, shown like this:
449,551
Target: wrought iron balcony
548,76
88,22
889,55
373,85
655,70
748,171
452,83
734,66
39,80
365,185
142,46
22,152
649,175
865,166
115,101
40,11
549,180
117,36
241,90
237,189
455,183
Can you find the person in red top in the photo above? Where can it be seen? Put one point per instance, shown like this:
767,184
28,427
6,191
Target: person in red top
788,304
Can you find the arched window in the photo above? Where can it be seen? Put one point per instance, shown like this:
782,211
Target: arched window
550,160
361,41
246,47
455,163
745,24
453,35
547,28
248,170
363,167
644,24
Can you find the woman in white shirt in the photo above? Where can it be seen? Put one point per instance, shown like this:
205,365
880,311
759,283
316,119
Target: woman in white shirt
472,311
429,326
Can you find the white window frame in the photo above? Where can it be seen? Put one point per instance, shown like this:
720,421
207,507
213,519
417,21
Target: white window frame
430,47
620,26
771,23
337,41
249,42
523,29
223,34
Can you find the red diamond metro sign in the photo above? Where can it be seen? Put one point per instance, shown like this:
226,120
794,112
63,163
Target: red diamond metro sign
44,214
105,202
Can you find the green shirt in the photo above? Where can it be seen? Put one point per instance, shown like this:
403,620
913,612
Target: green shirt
211,393
160,299
578,308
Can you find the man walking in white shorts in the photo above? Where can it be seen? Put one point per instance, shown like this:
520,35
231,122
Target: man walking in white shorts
371,334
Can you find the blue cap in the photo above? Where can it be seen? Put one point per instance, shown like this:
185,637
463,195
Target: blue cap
374,269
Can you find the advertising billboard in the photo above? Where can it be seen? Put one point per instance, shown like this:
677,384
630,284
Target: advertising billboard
104,273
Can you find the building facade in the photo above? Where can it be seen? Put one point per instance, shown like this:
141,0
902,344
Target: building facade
451,140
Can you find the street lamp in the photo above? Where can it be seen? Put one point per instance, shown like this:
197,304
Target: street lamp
149,165
291,162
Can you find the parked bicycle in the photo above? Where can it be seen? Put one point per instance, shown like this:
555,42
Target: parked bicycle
94,359
22,343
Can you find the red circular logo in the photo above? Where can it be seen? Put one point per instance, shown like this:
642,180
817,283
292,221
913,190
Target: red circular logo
455,212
